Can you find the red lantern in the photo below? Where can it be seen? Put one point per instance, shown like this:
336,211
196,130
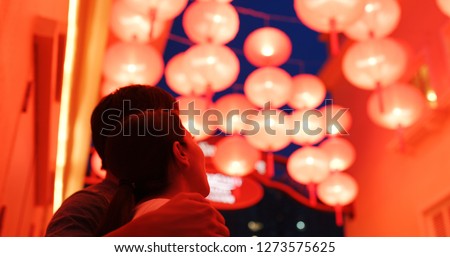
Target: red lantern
374,63
160,9
338,190
192,115
131,62
233,108
178,80
334,112
214,67
341,153
318,15
211,22
308,127
308,91
329,16
309,166
129,25
96,165
271,133
267,47
444,6
234,156
268,84
380,18
403,106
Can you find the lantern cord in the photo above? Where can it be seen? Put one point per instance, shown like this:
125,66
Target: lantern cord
180,39
339,215
209,95
380,97
266,16
263,15
270,163
237,87
401,138
312,194
334,40
152,14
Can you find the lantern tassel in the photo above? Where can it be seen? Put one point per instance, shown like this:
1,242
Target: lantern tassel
401,137
152,14
334,40
312,194
380,96
339,215
209,95
270,165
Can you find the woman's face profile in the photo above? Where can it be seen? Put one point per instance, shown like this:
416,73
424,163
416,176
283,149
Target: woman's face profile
196,176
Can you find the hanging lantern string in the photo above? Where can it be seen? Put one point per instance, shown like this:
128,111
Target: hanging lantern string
266,16
263,15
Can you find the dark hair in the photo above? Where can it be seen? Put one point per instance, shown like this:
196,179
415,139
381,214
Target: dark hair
127,100
139,157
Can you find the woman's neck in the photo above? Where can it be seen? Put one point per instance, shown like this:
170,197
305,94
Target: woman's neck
176,186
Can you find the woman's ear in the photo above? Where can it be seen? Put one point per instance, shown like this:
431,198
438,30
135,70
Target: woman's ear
180,154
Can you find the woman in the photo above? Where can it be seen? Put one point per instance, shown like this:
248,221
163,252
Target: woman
83,212
154,158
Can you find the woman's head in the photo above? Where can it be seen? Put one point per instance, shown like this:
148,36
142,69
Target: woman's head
156,154
112,109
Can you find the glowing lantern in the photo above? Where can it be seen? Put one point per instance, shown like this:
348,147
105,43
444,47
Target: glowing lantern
267,47
192,115
129,25
211,22
329,16
444,6
380,18
338,119
269,134
178,79
308,127
338,190
131,62
309,166
159,9
403,106
374,63
308,91
268,84
341,153
234,156
96,165
211,67
233,107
